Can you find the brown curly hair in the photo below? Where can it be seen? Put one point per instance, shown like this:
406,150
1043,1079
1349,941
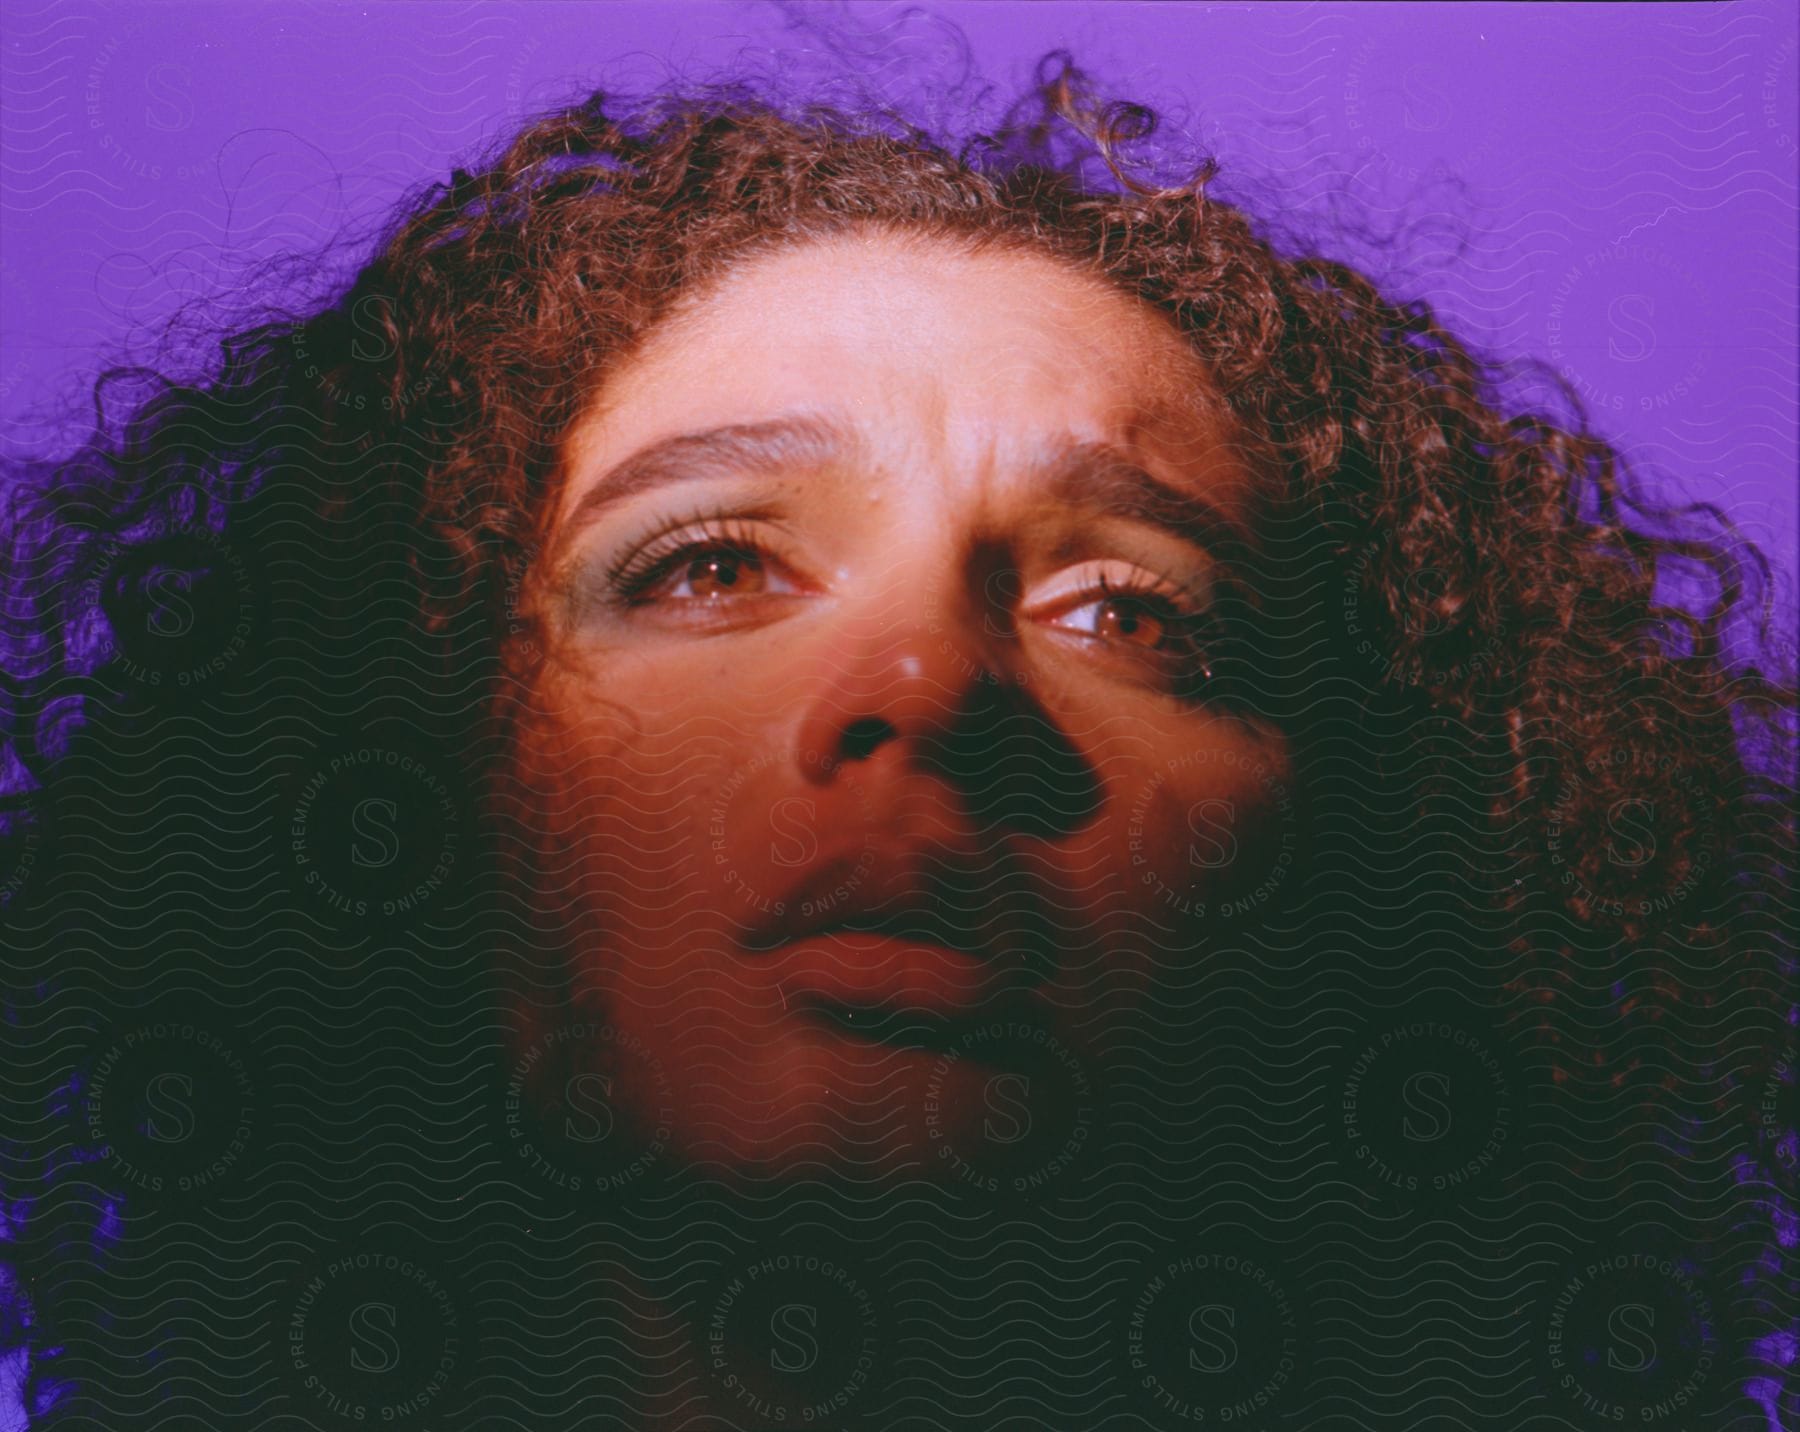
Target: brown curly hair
1497,571
506,296
1486,588
1495,575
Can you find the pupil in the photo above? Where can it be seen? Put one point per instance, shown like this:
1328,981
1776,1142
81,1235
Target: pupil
720,569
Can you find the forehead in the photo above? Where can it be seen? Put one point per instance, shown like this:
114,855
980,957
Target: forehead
912,337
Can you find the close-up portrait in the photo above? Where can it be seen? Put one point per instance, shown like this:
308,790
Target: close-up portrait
744,714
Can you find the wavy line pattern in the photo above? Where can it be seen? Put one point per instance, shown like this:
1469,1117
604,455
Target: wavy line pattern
304,1128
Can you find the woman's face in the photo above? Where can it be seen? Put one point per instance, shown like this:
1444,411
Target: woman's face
879,769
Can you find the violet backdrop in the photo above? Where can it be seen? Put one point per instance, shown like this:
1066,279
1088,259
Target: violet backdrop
1627,204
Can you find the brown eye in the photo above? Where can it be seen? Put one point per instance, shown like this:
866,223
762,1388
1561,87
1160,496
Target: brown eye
1146,622
702,567
1152,628
719,572
1129,620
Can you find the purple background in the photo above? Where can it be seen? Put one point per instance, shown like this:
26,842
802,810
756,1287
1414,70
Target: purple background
1627,211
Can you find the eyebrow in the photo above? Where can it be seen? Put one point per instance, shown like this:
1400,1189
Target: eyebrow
735,450
1101,477
1107,480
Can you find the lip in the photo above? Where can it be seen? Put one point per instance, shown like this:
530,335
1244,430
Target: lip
864,969
986,1035
900,993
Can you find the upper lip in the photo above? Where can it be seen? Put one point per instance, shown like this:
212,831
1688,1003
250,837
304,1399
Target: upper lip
980,936
930,946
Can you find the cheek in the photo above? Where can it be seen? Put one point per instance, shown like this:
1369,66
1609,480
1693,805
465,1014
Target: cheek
642,781
1208,823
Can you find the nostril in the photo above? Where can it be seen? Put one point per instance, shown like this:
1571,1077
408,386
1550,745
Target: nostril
864,735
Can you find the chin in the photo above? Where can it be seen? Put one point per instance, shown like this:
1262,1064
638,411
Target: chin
989,1110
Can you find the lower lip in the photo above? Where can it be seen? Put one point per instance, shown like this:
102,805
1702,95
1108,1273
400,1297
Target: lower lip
989,1038
861,970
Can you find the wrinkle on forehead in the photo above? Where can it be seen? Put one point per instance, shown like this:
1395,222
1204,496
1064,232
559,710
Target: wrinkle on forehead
1162,401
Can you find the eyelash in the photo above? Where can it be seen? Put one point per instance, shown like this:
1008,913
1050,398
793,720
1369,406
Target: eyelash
1200,634
645,565
1198,630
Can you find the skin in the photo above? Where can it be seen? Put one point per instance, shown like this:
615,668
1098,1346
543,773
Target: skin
916,707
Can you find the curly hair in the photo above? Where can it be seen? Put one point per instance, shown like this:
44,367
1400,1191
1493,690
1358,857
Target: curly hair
1499,567
1474,606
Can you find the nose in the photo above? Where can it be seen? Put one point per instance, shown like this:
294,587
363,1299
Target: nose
929,689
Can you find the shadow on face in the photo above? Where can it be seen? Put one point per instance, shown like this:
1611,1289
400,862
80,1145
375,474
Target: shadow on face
881,762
